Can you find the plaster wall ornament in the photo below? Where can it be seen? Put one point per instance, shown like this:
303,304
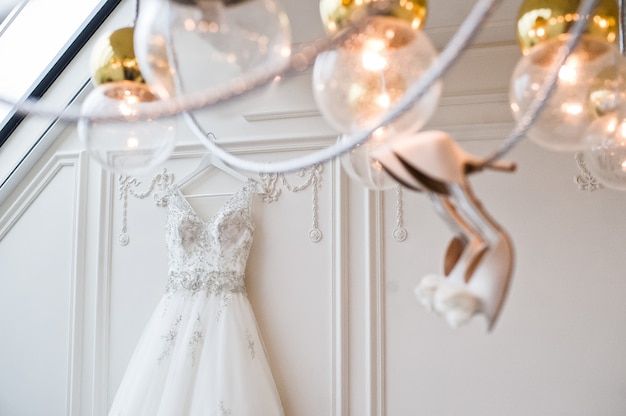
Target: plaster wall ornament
271,185
312,176
585,181
399,233
129,186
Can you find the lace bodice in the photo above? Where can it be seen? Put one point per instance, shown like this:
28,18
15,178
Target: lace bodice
209,255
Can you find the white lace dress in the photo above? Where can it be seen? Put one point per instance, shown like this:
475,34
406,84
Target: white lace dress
201,352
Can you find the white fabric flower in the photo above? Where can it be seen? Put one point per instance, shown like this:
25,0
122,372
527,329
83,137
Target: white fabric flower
425,290
447,298
455,303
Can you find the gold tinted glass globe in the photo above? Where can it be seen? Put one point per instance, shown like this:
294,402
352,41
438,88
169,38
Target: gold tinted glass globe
338,14
607,90
541,20
113,58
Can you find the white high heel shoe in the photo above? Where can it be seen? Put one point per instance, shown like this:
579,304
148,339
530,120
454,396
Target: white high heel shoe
478,260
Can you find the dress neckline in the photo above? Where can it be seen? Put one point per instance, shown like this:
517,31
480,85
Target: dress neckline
219,211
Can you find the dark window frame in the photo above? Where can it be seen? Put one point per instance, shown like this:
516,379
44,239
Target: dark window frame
63,61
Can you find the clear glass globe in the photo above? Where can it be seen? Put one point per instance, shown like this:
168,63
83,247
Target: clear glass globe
605,155
355,85
186,46
562,123
129,145
360,166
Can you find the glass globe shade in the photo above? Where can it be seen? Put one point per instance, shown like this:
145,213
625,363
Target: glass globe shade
355,85
185,46
129,145
541,20
339,14
360,166
607,91
113,58
605,155
566,115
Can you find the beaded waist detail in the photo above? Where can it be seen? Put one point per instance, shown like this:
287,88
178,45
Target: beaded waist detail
212,282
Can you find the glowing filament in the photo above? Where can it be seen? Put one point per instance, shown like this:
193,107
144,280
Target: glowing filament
568,73
572,109
383,100
372,57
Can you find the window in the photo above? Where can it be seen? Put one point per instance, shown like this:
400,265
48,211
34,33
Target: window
38,40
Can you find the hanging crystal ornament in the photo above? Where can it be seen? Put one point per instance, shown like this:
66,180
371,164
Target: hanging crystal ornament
357,84
542,28
190,46
125,144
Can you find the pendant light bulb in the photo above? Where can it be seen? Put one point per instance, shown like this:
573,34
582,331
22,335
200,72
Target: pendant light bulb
605,155
128,144
186,46
113,58
542,30
356,84
567,113
538,21
339,14
607,91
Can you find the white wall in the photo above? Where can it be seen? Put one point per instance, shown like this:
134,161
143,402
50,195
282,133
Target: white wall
344,333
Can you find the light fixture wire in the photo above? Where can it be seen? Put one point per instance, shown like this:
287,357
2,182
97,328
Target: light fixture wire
622,30
137,6
464,35
195,100
305,58
544,93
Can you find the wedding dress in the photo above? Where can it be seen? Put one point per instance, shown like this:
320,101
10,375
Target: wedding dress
201,352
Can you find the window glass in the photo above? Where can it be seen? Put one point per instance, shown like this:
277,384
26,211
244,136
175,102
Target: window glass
33,34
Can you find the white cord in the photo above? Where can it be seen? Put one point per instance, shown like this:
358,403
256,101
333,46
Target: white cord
203,99
526,121
448,56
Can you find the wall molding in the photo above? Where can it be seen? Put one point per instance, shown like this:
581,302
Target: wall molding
340,293
58,162
39,183
458,100
280,115
375,304
79,278
491,29
473,132
105,237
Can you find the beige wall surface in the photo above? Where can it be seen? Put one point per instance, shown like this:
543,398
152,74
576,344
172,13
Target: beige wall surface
344,332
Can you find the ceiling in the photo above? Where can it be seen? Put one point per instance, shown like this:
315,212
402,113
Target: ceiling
442,20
